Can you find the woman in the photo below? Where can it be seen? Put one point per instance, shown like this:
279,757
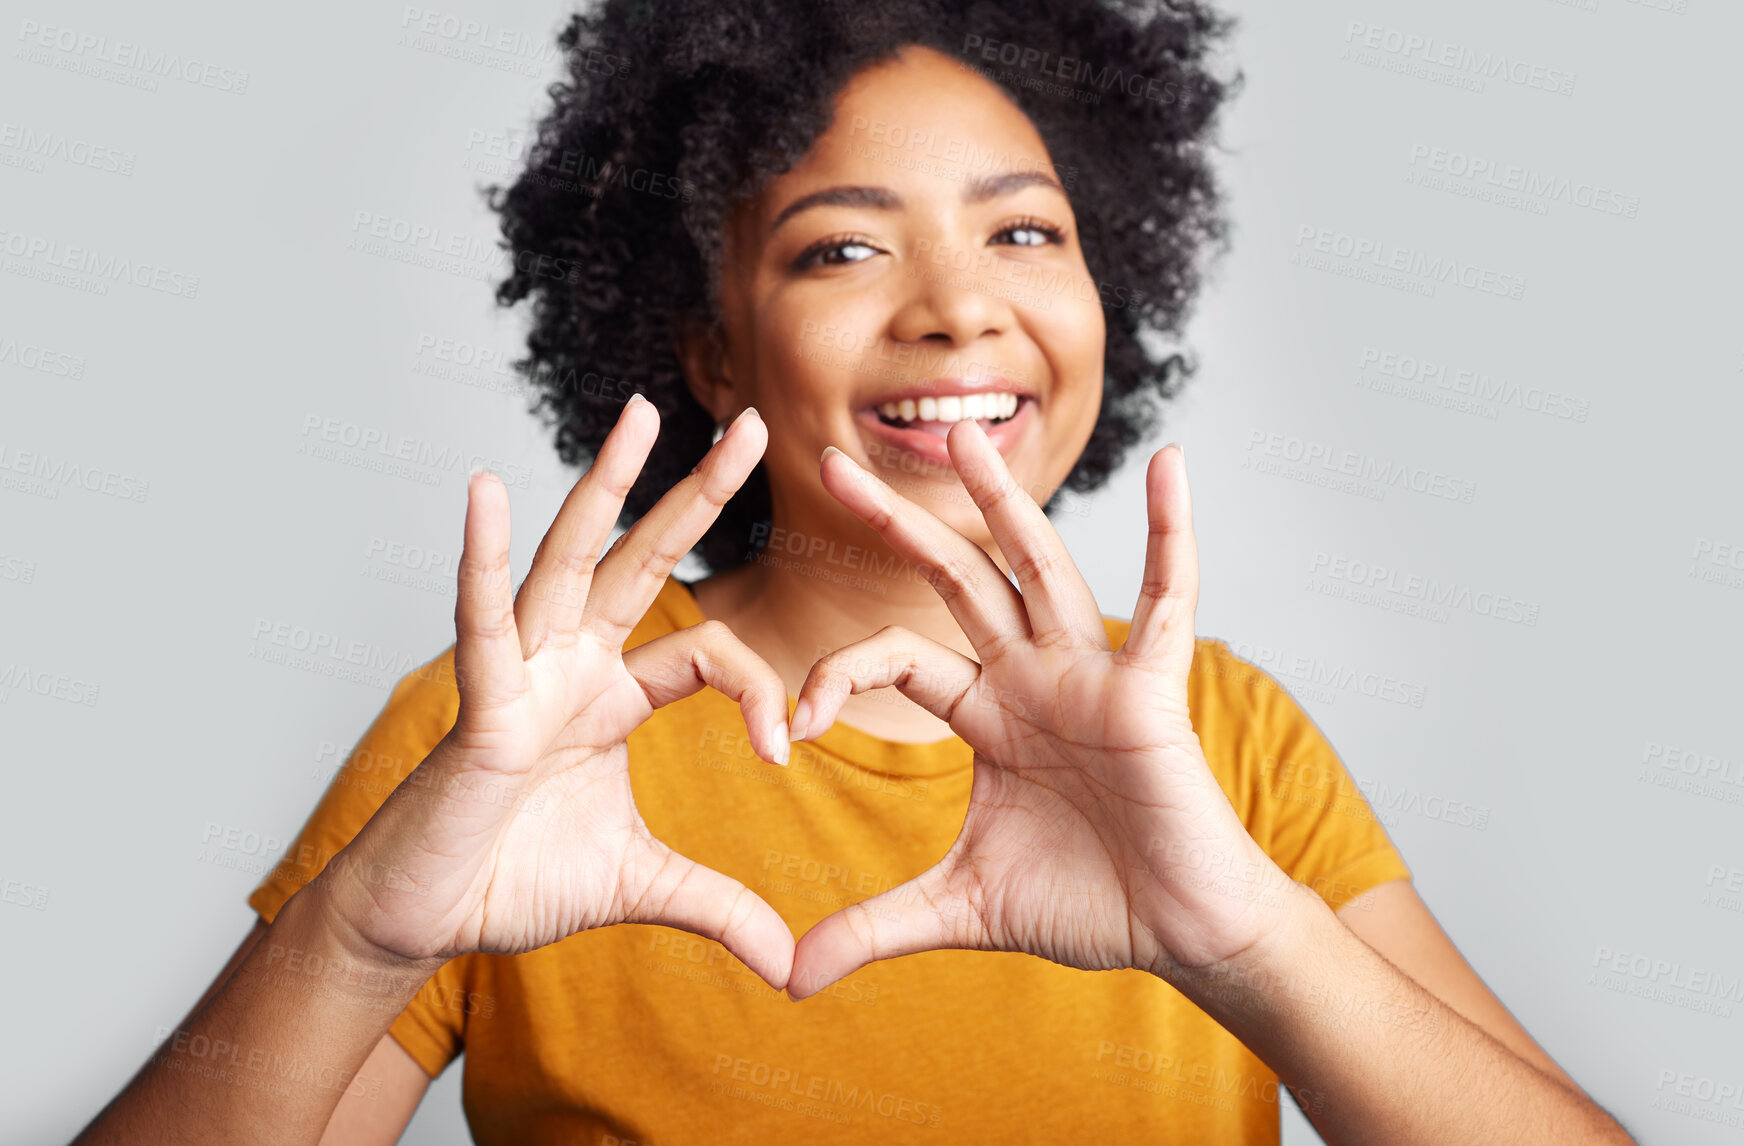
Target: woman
934,276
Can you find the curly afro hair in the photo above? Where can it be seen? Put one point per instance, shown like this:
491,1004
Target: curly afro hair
674,112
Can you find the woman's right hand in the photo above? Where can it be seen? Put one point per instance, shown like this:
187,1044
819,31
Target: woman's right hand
547,700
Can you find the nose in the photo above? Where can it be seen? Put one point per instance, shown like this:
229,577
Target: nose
941,302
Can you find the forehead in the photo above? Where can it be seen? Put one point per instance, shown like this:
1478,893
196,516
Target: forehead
923,125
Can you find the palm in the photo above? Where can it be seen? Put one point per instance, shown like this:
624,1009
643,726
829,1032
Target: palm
1091,797
522,829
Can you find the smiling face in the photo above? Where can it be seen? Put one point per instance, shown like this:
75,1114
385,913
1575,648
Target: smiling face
919,265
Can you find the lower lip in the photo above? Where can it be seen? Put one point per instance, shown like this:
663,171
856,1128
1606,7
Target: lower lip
1003,435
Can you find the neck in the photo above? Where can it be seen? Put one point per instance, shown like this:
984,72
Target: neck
799,600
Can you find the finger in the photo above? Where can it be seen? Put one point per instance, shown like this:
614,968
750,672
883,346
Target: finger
664,888
554,594
676,665
988,607
1055,595
933,676
488,666
630,576
930,912
1162,621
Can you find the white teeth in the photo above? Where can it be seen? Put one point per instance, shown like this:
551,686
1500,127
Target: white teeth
953,408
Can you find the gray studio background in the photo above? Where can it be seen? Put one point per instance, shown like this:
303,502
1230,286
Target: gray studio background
1529,745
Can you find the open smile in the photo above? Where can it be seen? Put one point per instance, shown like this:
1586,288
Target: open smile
917,419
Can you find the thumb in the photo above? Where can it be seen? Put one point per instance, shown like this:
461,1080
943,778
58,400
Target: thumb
934,910
679,892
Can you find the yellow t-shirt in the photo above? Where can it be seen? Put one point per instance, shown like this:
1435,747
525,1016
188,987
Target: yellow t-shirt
640,1034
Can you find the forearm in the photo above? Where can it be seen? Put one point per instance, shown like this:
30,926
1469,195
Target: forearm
269,1056
1374,1057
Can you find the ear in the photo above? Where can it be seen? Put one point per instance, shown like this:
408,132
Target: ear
702,355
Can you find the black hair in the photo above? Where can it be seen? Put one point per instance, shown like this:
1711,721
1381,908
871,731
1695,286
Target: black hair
673,112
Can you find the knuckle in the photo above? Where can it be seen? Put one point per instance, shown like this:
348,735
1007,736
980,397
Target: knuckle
614,486
488,626
994,490
656,561
716,636
881,518
579,565
1036,565
954,571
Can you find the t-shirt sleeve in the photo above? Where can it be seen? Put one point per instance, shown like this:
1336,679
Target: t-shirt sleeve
419,712
1297,798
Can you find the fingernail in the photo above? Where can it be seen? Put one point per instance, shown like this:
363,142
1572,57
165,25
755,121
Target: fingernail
801,720
748,411
828,450
634,398
781,744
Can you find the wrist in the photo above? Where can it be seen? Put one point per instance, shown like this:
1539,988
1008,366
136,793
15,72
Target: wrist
1265,965
315,936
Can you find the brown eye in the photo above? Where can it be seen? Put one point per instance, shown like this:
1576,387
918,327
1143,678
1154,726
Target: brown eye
827,252
1033,228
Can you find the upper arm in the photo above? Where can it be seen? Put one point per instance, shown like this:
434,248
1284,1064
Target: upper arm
367,1115
1393,920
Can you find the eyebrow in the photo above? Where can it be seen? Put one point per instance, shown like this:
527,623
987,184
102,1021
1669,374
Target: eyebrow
977,190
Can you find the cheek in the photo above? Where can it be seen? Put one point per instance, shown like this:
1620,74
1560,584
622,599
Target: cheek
1072,336
812,355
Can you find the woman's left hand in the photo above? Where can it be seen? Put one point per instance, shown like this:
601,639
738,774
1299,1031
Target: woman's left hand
1096,834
